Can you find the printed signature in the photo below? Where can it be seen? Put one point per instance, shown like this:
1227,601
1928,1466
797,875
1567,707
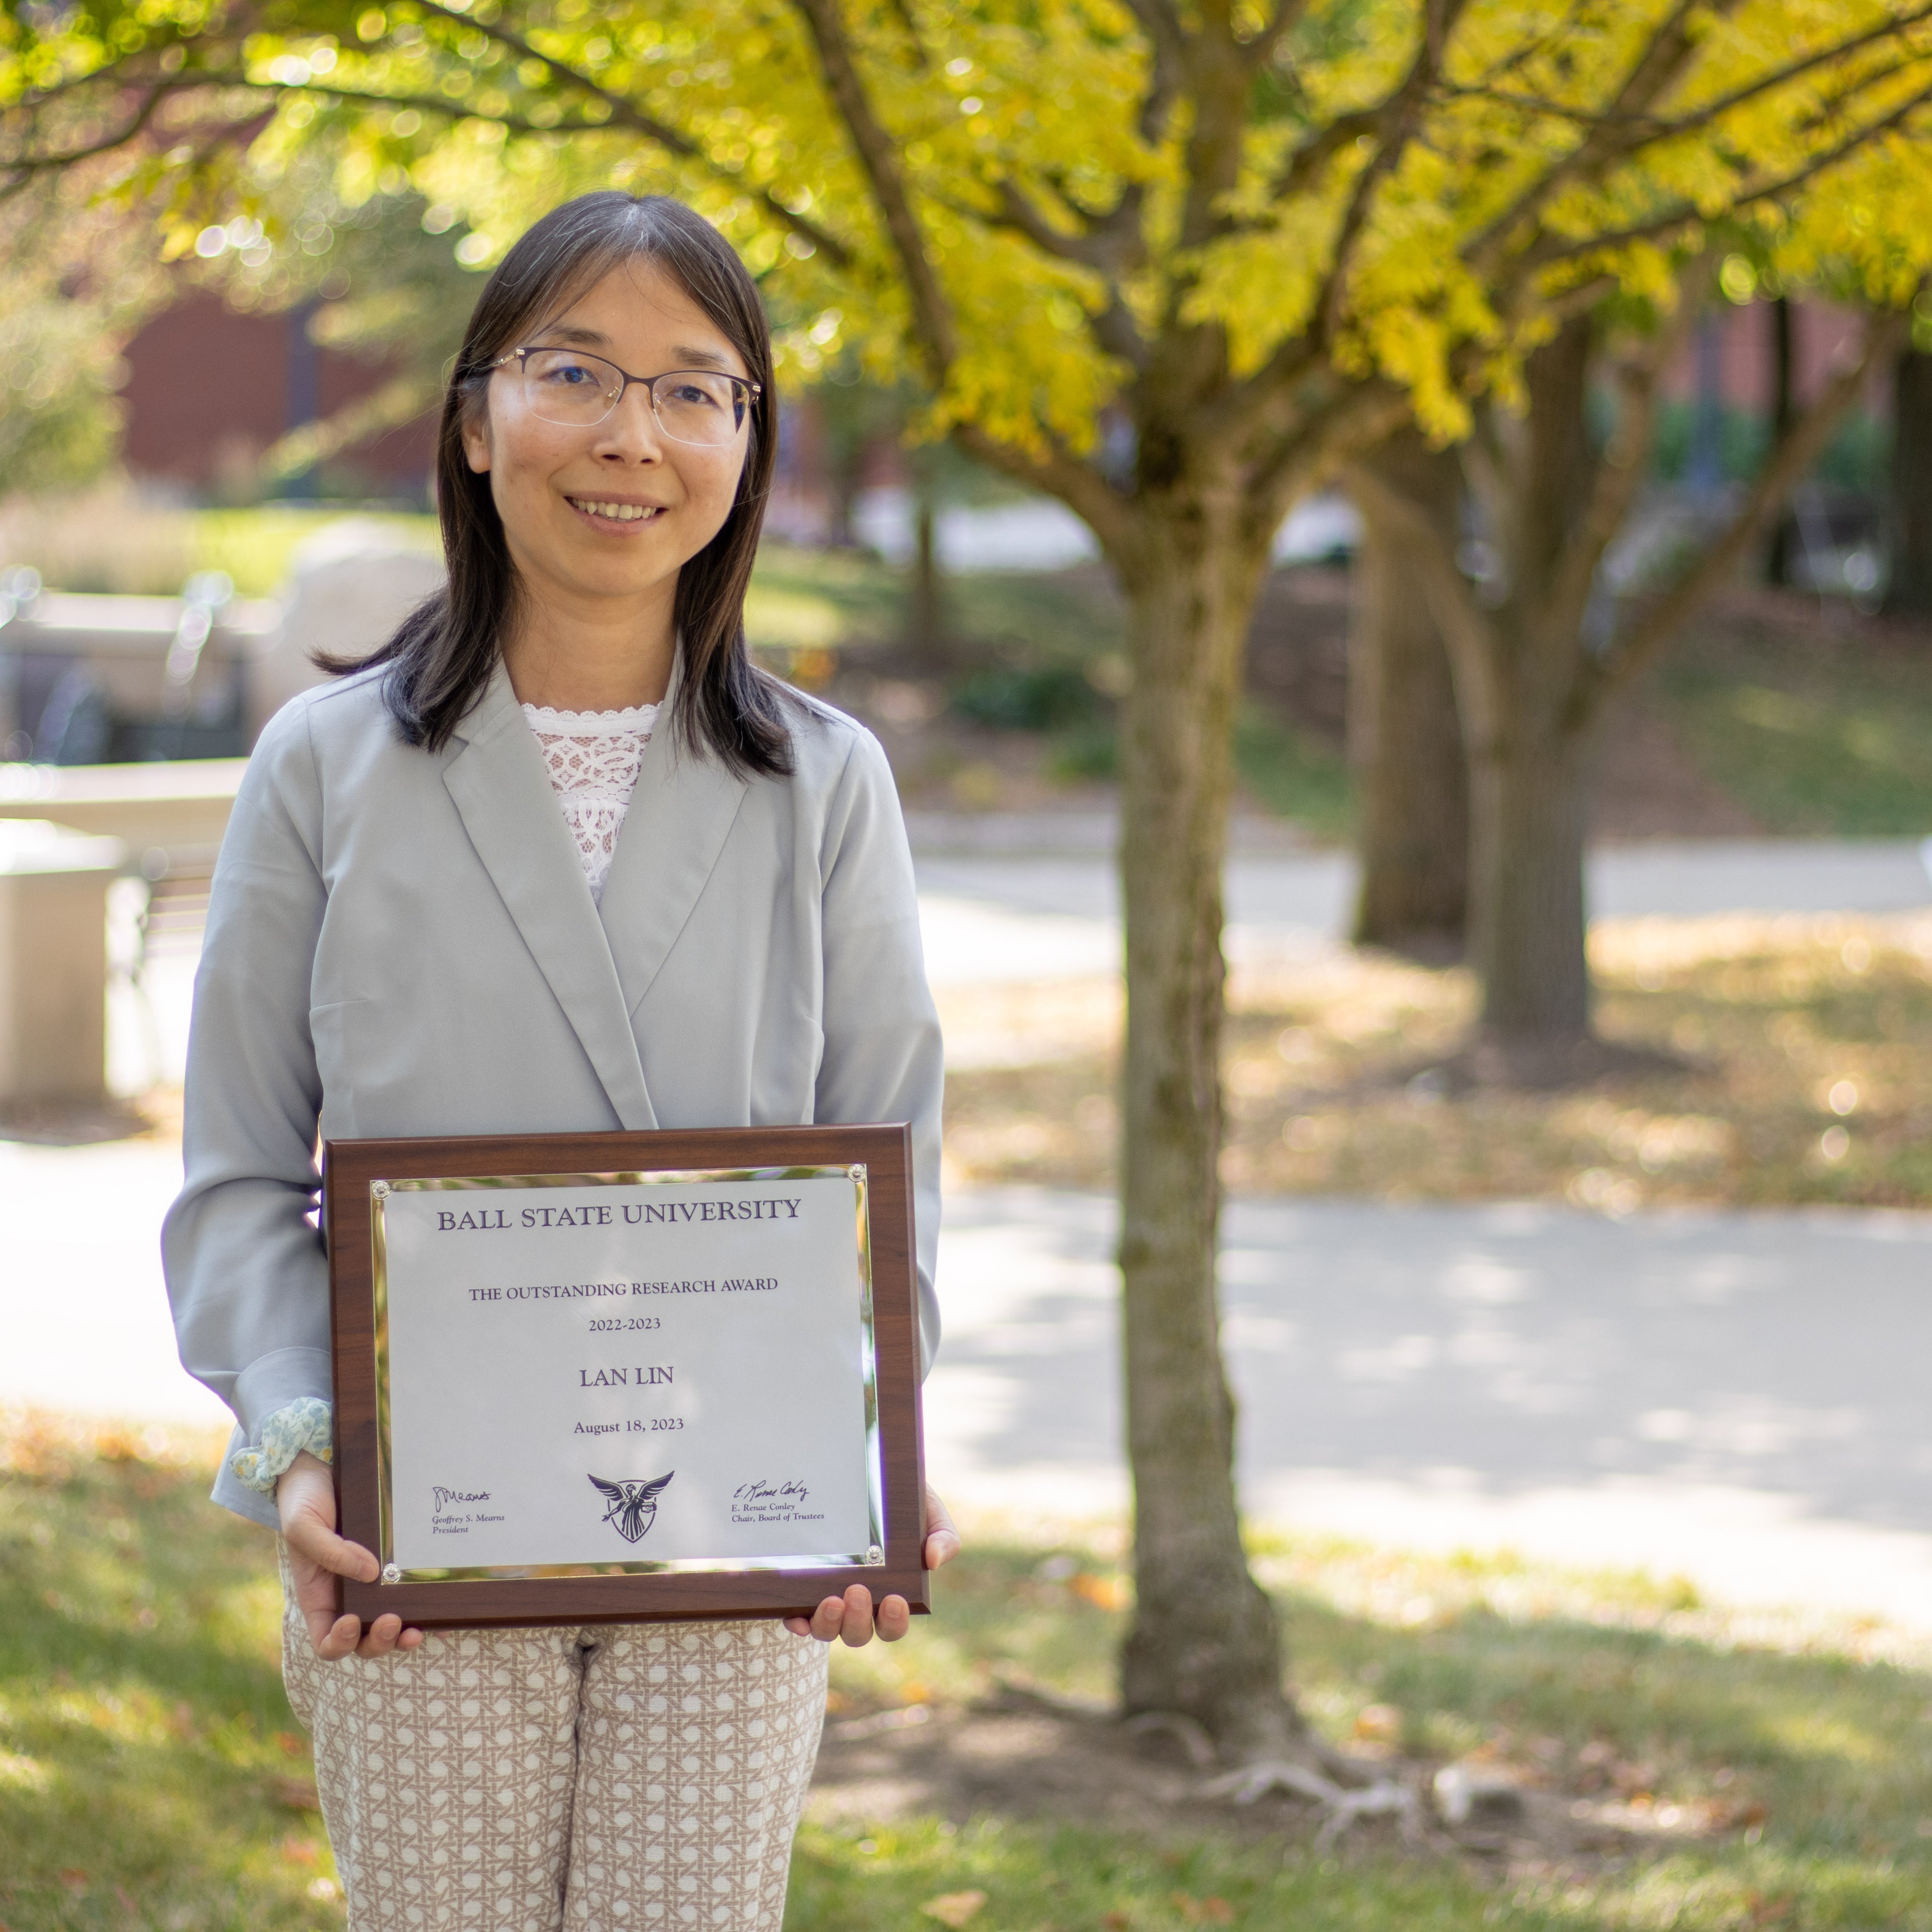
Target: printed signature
769,1492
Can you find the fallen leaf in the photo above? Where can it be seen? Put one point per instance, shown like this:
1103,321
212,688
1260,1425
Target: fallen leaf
1379,1724
1115,1921
954,1908
1104,1593
1204,1911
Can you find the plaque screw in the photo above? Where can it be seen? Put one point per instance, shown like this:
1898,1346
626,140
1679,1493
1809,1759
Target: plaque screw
859,1170
875,1555
393,1574
378,1190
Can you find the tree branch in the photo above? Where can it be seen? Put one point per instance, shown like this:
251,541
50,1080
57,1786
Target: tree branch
1512,59
1653,127
436,104
921,58
1315,154
1018,213
1118,334
1397,122
1661,62
933,328
1260,50
18,174
1468,634
622,112
626,113
1113,326
24,165
1059,473
1684,212
1483,457
1620,471
1801,447
1328,432
1167,43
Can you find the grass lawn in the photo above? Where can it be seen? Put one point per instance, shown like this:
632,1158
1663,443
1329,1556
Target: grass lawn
1806,1049
150,1774
1768,1773
257,547
1815,720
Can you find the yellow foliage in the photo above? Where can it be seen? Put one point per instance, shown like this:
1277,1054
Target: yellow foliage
1341,208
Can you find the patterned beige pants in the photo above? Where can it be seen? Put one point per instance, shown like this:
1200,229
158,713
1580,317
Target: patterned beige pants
632,1776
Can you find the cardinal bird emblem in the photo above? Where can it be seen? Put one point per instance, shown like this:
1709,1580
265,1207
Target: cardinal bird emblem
634,1506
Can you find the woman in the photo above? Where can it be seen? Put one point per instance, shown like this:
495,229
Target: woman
559,859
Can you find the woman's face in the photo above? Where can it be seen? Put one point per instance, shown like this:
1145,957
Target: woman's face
570,497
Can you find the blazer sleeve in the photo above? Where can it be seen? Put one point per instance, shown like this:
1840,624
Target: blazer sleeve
246,1272
883,1060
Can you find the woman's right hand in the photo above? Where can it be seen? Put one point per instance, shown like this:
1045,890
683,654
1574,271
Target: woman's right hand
305,1496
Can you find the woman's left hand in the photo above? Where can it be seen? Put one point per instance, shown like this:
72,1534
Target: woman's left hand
852,1617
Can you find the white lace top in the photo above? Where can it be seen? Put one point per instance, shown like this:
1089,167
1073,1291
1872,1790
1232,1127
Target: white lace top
593,758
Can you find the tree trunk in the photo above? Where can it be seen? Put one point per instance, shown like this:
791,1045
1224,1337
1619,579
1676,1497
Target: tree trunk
925,620
1405,745
1910,593
1781,566
1528,796
1204,1641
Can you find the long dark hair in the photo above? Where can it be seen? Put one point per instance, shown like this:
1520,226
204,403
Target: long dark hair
443,656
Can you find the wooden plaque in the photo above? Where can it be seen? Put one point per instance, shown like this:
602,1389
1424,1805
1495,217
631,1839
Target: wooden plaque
464,1271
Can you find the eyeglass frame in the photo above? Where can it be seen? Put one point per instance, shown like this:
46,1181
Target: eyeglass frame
648,384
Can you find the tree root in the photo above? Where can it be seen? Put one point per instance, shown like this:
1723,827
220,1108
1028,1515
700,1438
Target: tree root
1384,1799
1378,1795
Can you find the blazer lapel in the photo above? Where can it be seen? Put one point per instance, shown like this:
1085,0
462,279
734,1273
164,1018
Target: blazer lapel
680,816
497,780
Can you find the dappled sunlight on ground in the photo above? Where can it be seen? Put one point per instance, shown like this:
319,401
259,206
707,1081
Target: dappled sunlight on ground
1805,1044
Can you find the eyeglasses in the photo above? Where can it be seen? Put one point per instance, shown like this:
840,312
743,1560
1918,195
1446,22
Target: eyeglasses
700,407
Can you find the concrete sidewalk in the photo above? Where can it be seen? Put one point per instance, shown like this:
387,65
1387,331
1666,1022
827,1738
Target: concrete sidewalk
1029,913
1736,1398
84,1321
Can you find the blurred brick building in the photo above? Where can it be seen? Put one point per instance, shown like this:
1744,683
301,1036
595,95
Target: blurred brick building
208,390
1738,348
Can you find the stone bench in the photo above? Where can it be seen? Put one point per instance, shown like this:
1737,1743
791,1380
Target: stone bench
53,962
66,832
178,807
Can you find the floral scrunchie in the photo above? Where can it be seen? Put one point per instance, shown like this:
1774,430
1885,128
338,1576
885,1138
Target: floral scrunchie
307,1423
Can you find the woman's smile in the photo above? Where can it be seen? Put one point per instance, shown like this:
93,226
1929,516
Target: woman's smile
621,516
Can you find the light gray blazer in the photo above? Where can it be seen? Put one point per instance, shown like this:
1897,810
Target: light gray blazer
403,943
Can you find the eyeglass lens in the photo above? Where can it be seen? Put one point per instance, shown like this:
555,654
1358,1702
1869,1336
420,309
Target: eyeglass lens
693,405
